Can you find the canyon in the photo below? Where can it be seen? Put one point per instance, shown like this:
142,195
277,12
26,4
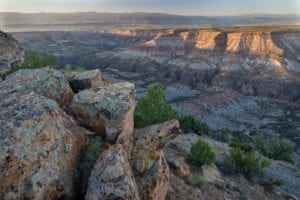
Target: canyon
241,79
244,79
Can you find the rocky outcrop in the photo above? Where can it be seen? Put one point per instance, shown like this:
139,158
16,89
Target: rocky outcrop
10,52
148,159
138,172
112,177
38,139
107,111
86,80
40,147
47,82
179,189
147,143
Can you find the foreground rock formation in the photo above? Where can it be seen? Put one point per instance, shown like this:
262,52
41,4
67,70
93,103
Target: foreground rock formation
40,144
137,172
107,111
45,154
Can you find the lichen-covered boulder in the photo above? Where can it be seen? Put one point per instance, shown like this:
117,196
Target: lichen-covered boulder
148,159
40,148
178,163
47,82
179,189
148,142
107,111
112,177
154,183
211,174
85,80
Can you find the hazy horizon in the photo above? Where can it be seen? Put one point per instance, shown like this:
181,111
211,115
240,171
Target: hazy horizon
136,12
177,7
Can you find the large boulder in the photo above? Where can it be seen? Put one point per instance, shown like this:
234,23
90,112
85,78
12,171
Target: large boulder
148,142
178,163
47,82
107,111
154,183
211,174
148,159
10,52
85,80
40,147
136,172
112,177
179,189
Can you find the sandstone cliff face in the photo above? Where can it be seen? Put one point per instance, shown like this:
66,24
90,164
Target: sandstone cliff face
10,52
249,62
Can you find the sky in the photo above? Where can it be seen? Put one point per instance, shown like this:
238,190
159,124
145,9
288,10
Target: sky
181,7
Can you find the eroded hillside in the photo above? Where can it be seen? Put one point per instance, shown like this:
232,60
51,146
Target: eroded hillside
244,79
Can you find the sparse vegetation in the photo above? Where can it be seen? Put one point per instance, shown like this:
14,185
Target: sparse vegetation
35,60
202,153
244,146
80,69
270,183
191,123
196,180
69,68
225,135
276,148
153,108
249,163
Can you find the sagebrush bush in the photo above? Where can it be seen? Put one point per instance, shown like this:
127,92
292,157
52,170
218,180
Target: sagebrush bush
270,183
237,143
192,123
249,163
225,135
202,153
196,180
276,148
153,108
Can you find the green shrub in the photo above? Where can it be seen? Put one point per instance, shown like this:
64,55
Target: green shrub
225,135
153,108
270,183
237,143
34,60
202,153
276,148
196,180
80,69
68,67
249,163
192,123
